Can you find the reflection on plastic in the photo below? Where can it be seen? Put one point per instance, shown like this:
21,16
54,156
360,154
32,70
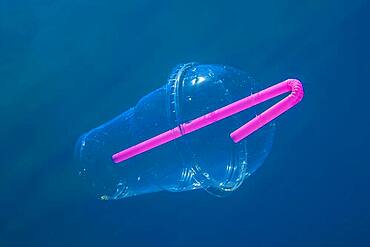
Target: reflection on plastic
195,96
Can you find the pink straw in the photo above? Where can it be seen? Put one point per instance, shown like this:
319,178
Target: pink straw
291,85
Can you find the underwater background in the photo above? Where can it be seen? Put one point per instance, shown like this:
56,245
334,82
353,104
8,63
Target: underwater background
68,66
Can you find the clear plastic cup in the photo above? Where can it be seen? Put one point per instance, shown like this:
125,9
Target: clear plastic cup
206,158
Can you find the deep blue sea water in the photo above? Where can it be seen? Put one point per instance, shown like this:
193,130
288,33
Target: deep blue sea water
68,66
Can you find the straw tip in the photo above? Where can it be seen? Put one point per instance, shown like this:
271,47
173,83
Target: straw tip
235,137
116,159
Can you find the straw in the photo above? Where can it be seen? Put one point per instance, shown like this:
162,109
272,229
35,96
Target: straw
291,85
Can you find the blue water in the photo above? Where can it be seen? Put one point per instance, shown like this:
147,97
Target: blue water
68,66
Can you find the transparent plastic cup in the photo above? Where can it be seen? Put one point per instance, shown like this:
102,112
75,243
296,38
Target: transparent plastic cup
206,158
